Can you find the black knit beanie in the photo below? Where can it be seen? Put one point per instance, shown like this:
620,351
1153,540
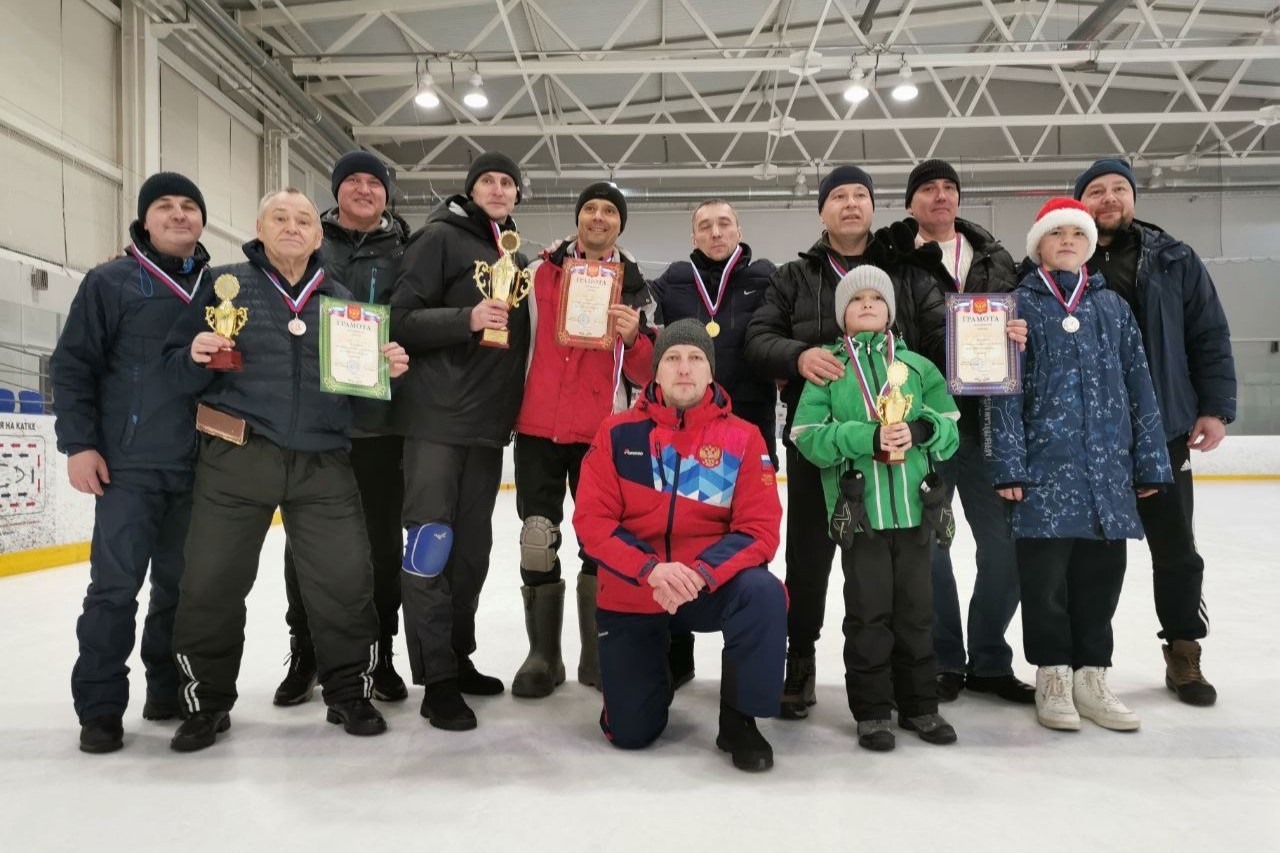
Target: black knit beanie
492,161
840,176
169,183
608,192
930,170
354,162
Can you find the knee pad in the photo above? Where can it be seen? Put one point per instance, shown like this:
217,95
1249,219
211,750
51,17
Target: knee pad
539,542
426,549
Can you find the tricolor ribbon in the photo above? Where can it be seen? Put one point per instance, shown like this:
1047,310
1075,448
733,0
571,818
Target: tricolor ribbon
155,271
955,270
296,305
868,399
497,235
1076,294
841,272
714,307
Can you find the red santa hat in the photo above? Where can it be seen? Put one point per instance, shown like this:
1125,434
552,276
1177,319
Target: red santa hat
1056,213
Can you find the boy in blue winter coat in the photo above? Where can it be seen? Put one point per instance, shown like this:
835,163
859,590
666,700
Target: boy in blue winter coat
1075,450
876,510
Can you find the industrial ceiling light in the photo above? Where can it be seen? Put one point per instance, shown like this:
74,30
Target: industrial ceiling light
802,187
475,96
426,97
905,90
857,91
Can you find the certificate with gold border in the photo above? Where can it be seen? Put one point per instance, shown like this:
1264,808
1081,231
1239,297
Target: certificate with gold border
586,292
352,335
981,360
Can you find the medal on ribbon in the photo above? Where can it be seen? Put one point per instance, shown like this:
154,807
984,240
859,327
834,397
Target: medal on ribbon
713,307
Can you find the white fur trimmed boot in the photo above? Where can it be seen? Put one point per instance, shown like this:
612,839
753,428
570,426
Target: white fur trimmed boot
1055,707
1095,701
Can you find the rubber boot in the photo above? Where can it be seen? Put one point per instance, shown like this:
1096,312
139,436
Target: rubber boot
543,670
589,662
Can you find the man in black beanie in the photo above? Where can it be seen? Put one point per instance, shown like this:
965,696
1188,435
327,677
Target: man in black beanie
1188,343
785,342
363,243
456,410
961,256
568,392
130,441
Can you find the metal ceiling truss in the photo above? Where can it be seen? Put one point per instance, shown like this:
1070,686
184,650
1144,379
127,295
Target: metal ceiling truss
765,126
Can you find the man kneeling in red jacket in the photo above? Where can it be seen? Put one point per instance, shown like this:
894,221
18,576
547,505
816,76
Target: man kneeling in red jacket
678,505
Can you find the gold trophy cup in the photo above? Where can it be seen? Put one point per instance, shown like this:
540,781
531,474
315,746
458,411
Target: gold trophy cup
505,281
228,321
892,409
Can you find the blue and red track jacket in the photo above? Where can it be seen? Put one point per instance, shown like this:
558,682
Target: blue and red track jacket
659,485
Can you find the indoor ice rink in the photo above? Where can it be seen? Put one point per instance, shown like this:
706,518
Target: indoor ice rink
672,102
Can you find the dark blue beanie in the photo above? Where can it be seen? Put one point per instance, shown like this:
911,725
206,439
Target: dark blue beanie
840,176
1106,166
354,162
169,183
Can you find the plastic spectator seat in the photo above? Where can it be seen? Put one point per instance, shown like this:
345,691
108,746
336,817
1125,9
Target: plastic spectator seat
30,403
7,401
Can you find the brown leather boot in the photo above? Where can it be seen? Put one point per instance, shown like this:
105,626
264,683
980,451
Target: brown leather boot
1182,673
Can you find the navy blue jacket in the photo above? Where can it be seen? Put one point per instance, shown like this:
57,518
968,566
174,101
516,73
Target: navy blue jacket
1184,330
1085,431
676,295
110,391
278,393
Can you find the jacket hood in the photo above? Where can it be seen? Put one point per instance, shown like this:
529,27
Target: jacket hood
461,212
391,223
715,404
632,278
254,251
168,263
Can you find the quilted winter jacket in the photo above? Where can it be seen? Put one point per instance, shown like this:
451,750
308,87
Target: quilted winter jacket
659,485
568,391
1086,430
835,432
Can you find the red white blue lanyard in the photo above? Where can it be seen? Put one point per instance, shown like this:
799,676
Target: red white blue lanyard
729,264
841,272
497,235
147,264
868,398
1076,294
296,305
955,270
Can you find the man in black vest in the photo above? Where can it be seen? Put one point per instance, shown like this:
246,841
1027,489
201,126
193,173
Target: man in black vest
363,242
130,441
273,439
1188,344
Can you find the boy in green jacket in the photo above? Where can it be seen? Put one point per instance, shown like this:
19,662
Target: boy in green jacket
872,475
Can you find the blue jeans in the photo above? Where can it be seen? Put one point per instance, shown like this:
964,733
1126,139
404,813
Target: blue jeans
995,589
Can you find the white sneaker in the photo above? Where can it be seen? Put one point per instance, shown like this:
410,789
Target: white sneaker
1055,708
1095,701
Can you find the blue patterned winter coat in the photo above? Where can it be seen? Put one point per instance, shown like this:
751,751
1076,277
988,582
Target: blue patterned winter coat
1086,430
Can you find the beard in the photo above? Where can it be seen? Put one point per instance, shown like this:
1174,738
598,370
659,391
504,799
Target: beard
1110,232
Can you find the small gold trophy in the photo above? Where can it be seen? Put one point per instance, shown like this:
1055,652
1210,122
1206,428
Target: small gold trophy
228,321
893,408
505,281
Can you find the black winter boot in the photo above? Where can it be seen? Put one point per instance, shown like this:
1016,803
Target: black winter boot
102,734
357,716
589,661
473,682
444,707
799,689
200,730
543,670
388,686
299,684
741,739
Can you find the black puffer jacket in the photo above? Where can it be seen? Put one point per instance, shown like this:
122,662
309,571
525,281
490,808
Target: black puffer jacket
992,271
110,391
799,313
676,295
278,392
456,391
366,263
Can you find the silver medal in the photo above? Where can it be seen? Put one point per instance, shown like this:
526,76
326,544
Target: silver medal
297,328
1070,324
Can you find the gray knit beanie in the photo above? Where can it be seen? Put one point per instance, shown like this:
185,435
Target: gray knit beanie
864,277
688,332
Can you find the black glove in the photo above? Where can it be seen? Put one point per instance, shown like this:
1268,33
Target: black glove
936,512
850,513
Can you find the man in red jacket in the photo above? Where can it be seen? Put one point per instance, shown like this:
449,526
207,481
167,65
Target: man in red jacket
568,391
678,505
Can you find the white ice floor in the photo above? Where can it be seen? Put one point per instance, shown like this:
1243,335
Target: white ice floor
538,776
